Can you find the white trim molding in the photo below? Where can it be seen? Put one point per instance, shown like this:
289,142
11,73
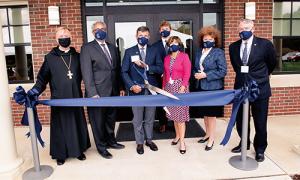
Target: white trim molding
286,80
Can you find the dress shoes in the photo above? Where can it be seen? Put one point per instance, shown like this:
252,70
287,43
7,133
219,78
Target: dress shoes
173,143
203,140
140,149
208,148
183,151
162,128
152,146
60,162
116,146
104,153
238,149
81,157
259,157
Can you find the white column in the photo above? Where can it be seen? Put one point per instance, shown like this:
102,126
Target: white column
9,159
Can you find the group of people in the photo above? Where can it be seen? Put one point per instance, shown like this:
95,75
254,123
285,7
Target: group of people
163,64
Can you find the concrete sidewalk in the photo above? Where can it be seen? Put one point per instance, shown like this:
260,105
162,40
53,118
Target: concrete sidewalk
167,163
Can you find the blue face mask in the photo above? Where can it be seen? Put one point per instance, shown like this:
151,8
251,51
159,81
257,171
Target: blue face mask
244,35
100,34
174,48
208,44
165,33
143,41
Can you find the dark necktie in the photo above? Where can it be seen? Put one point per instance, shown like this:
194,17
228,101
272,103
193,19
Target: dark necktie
166,47
143,54
106,53
245,55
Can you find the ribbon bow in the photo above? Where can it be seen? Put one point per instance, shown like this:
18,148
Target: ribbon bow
250,91
30,99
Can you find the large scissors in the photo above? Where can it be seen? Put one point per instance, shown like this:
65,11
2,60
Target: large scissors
153,89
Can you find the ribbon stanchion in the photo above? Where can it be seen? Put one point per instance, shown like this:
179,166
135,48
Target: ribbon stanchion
38,172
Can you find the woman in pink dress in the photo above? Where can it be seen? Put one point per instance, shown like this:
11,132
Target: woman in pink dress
177,71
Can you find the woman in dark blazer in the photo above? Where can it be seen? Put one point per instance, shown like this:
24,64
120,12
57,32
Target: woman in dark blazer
209,71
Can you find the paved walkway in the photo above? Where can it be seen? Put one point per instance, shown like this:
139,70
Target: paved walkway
281,161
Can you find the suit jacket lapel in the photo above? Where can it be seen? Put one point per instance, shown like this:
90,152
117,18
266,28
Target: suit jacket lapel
238,51
97,46
162,47
147,54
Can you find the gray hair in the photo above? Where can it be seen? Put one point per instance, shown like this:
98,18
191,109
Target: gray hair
247,21
96,23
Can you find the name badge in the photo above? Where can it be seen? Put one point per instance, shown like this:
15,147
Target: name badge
135,58
244,69
171,81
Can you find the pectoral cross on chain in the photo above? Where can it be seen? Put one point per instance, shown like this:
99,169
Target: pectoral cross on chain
70,74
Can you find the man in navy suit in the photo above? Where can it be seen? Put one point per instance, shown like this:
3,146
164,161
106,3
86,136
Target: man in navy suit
253,58
140,62
162,48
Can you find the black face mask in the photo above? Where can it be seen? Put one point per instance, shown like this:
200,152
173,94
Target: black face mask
64,42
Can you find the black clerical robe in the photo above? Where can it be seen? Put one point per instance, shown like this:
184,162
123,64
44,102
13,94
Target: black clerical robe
68,129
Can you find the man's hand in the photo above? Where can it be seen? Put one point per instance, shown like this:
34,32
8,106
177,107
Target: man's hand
136,89
141,64
200,75
122,93
182,89
96,96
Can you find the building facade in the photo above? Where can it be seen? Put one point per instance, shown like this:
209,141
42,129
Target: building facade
28,37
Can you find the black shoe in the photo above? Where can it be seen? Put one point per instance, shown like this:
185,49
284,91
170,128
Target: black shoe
60,162
238,149
116,146
259,157
81,157
182,151
203,140
208,148
104,153
140,149
152,146
173,143
162,128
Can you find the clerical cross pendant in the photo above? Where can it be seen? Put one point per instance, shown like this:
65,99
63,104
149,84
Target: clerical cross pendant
70,74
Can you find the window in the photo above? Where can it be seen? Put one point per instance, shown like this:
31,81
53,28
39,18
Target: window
17,43
286,35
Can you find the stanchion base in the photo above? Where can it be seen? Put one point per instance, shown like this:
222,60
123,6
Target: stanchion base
249,165
31,174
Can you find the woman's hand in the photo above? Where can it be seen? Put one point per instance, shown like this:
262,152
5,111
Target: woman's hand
200,75
182,89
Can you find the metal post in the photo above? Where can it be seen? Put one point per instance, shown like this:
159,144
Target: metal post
243,162
37,172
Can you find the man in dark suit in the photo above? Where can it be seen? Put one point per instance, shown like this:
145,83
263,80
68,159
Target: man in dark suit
253,58
139,61
100,66
162,48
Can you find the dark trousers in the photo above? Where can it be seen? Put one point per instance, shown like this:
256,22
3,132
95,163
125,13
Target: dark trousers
102,121
161,116
259,110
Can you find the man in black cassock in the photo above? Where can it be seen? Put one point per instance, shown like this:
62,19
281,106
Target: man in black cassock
68,129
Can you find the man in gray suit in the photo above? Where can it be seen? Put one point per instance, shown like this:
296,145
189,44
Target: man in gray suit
100,66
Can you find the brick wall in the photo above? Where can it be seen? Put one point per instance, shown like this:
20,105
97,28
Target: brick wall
43,40
284,100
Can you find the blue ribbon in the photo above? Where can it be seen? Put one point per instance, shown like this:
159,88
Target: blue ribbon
250,91
29,99
207,98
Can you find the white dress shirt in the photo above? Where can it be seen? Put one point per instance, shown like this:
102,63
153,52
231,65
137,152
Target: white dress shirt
249,45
